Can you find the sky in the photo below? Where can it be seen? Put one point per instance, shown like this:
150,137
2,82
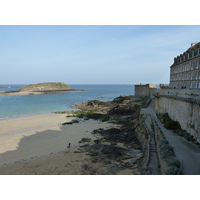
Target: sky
91,54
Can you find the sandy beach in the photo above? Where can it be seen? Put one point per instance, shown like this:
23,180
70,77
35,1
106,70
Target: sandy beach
38,145
101,143
20,93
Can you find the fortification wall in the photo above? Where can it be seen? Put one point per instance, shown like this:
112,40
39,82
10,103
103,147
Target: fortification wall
144,89
141,90
182,107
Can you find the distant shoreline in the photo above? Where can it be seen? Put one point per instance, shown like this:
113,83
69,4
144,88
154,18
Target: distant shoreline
41,88
18,93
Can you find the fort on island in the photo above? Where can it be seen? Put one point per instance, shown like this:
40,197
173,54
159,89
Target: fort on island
181,98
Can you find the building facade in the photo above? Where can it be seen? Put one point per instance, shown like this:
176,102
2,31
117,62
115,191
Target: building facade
185,71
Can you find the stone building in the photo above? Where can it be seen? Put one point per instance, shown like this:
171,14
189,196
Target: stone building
144,89
185,71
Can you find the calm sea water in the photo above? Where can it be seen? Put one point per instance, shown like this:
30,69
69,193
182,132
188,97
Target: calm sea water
30,105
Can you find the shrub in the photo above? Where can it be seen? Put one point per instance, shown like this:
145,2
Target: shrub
173,125
173,162
166,147
166,153
186,135
168,122
172,170
162,142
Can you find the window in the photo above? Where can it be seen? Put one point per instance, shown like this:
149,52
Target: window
192,65
195,52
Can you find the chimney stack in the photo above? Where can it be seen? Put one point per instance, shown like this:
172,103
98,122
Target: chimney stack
193,44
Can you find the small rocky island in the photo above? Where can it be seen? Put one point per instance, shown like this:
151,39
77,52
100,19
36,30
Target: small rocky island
41,88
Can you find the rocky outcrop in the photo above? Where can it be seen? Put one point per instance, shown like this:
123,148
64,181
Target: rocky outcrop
122,105
41,88
123,98
116,148
94,105
125,109
45,87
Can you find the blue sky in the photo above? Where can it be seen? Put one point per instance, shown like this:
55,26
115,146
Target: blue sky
92,54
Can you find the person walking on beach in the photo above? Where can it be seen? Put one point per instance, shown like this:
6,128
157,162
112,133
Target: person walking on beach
69,145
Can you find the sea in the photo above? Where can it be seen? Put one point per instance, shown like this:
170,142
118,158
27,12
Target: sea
33,105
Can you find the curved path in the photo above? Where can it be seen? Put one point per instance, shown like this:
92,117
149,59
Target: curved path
187,152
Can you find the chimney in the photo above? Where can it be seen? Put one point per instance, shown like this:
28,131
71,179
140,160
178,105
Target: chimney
193,44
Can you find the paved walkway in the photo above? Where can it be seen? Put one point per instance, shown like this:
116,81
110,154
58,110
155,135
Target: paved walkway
187,152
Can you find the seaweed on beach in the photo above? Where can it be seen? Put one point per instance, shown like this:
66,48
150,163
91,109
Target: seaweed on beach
71,122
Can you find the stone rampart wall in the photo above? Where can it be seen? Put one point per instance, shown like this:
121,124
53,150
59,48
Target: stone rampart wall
141,90
182,108
145,90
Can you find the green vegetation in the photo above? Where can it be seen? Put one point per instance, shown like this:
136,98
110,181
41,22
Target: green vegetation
172,170
141,99
174,166
186,135
90,114
168,122
46,86
83,113
175,126
166,152
174,162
